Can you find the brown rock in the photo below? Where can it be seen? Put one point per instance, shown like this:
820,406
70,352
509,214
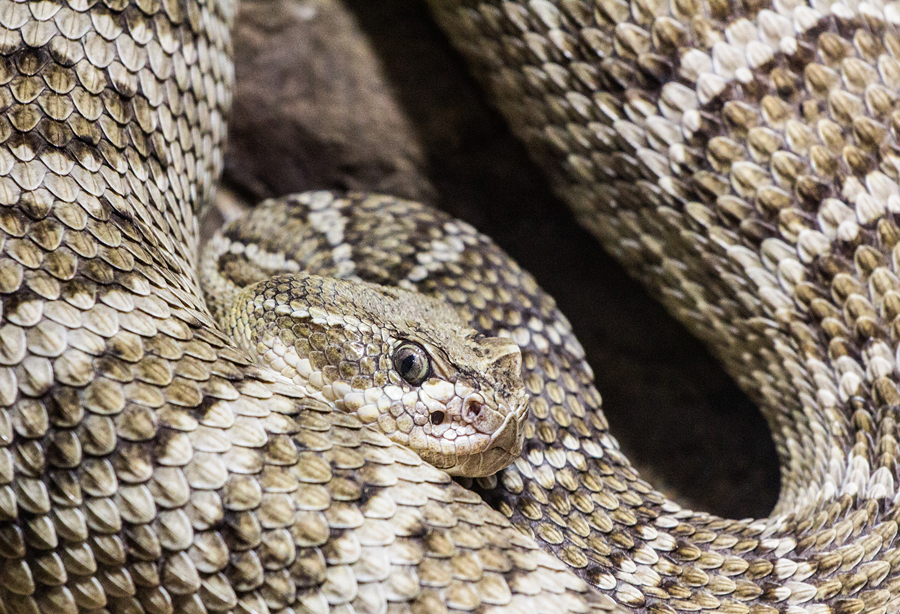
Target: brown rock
312,108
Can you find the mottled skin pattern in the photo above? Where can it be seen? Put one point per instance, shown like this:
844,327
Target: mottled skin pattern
145,464
742,159
739,157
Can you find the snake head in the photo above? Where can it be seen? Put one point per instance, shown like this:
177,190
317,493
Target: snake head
404,363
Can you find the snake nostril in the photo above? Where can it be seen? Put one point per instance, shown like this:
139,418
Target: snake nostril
437,417
474,410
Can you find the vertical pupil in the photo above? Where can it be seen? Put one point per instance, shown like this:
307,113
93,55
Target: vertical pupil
408,363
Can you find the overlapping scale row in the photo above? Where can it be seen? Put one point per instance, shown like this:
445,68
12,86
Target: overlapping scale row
145,465
572,490
741,159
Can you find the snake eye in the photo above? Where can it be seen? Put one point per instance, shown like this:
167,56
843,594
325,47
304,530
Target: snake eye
412,362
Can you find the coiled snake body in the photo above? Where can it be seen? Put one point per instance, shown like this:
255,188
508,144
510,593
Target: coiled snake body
740,157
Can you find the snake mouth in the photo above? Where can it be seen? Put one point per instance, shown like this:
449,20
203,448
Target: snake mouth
494,452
